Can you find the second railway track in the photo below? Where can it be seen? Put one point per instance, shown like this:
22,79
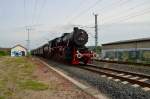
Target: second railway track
136,79
113,88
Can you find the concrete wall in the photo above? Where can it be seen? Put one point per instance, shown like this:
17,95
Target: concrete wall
144,44
127,51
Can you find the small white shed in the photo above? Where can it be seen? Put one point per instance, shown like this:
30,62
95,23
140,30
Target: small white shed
18,50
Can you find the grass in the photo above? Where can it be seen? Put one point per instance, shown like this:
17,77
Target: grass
16,76
33,85
2,97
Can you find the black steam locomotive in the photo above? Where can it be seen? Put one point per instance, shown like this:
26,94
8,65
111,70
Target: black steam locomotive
70,47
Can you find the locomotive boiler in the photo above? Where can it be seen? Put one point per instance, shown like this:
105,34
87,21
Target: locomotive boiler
78,37
70,47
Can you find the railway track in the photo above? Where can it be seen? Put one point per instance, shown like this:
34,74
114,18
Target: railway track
135,79
122,62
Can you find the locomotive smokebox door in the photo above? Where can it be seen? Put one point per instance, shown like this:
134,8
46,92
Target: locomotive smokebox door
80,37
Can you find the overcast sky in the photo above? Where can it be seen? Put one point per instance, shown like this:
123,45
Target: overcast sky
117,19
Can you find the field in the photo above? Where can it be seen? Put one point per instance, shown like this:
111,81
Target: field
27,78
16,77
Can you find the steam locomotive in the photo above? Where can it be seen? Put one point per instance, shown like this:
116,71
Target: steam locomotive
70,47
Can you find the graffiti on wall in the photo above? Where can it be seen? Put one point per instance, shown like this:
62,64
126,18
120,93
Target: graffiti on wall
132,56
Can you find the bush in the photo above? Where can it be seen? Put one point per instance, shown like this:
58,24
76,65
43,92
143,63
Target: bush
98,49
3,53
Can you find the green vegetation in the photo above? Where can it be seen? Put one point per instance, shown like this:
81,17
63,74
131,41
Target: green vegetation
98,49
29,54
3,53
2,97
33,85
15,77
93,49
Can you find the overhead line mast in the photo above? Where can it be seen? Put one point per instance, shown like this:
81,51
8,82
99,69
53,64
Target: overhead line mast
28,29
96,32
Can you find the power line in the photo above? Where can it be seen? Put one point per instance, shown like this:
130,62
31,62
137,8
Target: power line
127,17
40,11
113,4
136,15
127,10
24,4
92,6
34,11
76,9
86,10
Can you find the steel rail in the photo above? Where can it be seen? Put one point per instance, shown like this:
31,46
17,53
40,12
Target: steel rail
123,62
133,81
120,71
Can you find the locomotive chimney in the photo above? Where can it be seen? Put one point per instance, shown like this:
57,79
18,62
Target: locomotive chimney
75,29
